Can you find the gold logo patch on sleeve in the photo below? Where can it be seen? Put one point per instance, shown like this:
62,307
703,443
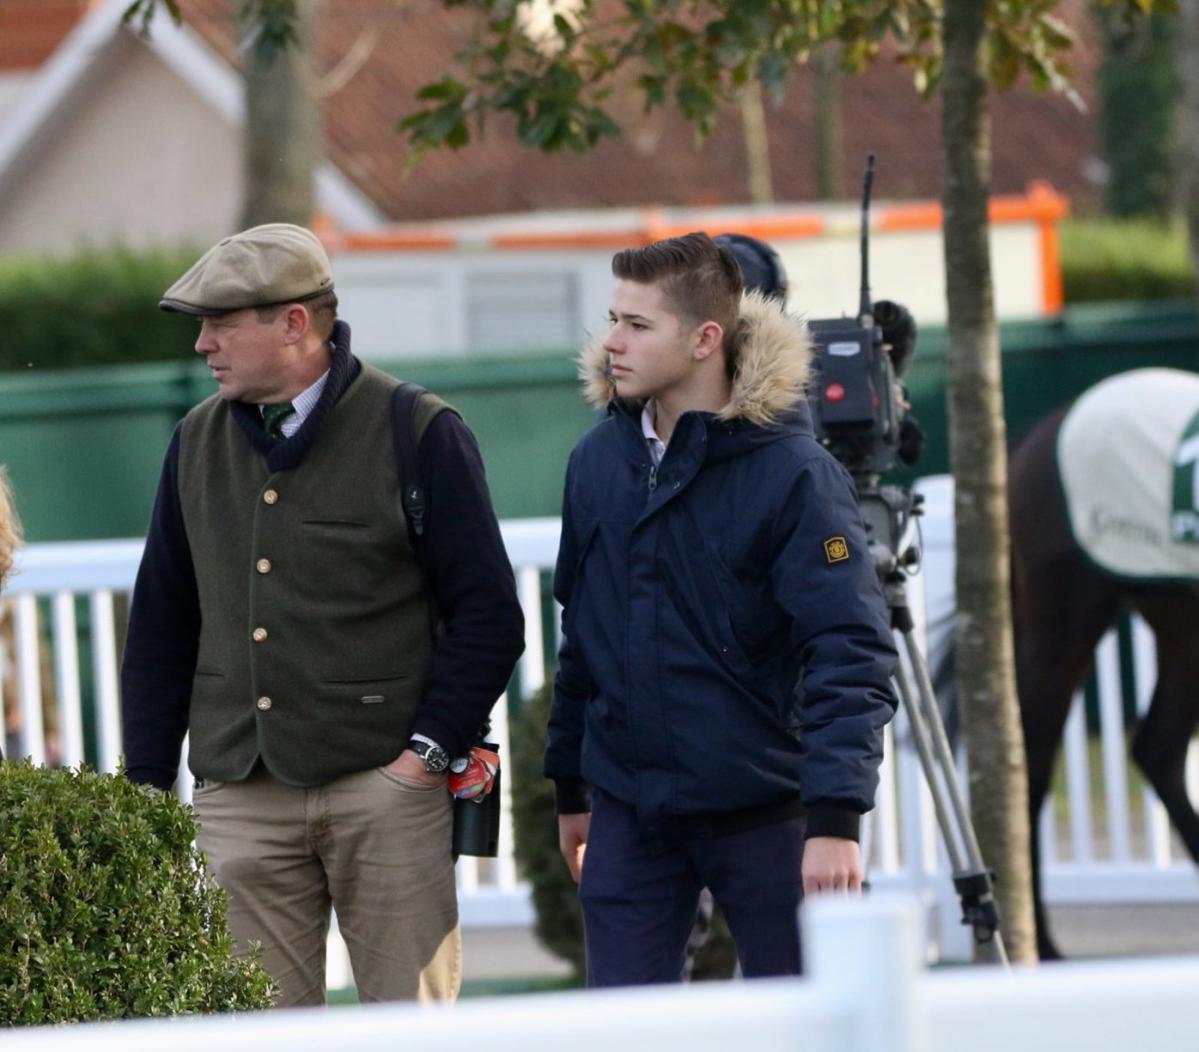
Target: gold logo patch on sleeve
836,550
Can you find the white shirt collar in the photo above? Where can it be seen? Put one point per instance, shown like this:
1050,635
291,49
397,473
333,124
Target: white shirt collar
657,448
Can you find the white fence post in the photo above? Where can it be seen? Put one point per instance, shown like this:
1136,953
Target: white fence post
866,956
29,679
66,670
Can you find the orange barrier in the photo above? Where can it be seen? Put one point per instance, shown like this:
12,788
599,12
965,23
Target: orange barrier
1041,205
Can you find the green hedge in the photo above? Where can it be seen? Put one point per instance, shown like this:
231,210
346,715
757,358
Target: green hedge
94,309
106,908
1124,259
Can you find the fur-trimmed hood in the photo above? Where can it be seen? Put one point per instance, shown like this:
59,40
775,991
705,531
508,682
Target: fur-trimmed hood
774,358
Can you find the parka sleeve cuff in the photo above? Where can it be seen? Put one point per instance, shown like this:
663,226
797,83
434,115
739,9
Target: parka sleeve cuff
571,796
832,820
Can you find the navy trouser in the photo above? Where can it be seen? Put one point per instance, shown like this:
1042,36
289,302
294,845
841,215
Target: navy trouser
639,896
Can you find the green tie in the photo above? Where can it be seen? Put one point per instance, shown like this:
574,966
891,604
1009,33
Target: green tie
273,416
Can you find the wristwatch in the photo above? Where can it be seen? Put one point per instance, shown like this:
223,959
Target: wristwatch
436,759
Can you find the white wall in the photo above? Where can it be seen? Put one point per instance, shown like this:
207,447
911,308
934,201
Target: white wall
135,157
473,298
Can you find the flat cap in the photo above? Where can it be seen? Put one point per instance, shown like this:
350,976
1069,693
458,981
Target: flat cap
273,263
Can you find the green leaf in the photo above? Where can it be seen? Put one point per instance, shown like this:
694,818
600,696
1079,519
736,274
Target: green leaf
563,28
445,89
142,13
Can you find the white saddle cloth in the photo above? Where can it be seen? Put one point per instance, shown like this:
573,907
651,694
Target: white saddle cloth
1128,456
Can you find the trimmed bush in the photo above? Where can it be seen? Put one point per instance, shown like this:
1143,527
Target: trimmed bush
99,308
106,908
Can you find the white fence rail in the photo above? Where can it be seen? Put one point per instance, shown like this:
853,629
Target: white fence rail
1107,839
866,992
1128,856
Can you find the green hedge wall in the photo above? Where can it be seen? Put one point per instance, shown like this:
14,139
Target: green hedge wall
94,309
1124,259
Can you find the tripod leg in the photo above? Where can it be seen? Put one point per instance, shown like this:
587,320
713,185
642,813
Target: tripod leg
971,878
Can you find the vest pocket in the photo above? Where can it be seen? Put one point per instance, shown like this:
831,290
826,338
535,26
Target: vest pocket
338,524
379,677
374,711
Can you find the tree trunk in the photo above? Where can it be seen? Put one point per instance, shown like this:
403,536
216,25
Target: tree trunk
1186,65
829,169
282,133
986,677
757,144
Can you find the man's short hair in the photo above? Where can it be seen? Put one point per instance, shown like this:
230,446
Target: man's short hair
699,278
322,309
10,528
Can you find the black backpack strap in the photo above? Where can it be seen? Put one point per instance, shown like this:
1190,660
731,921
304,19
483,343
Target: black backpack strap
403,436
412,410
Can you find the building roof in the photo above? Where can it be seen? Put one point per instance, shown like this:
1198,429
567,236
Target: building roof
372,55
62,81
30,30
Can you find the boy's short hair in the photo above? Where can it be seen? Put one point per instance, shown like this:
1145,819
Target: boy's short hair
700,279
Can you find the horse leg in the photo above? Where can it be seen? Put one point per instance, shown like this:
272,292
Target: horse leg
1159,746
1061,608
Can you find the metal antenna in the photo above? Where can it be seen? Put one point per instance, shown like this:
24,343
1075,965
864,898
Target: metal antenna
865,307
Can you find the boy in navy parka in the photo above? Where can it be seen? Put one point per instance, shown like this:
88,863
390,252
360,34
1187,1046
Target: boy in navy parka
724,676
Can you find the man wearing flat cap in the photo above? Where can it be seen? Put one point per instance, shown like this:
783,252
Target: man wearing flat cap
281,619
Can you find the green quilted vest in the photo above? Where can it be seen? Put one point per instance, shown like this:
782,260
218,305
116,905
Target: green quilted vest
315,640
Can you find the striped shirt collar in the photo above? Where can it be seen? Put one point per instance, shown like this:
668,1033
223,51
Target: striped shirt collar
303,403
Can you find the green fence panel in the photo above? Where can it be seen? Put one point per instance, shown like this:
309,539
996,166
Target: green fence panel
84,448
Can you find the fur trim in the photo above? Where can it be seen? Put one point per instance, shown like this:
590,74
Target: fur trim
773,360
598,387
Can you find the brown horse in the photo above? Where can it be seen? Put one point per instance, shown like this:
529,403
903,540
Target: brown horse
1062,604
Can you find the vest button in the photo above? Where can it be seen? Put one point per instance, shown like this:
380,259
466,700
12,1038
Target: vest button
264,704
259,635
271,496
263,566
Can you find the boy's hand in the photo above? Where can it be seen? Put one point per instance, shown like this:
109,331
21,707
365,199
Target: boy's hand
831,864
572,841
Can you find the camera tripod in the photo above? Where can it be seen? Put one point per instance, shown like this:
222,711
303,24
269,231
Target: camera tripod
888,512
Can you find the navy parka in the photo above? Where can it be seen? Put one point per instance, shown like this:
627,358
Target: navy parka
726,648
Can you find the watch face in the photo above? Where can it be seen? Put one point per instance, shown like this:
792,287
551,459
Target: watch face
436,758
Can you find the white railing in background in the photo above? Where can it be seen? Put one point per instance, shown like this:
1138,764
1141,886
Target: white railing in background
1118,856
865,992
1120,860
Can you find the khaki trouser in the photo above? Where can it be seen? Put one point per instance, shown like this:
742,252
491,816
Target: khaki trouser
375,849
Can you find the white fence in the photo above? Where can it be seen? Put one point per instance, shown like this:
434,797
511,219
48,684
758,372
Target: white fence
1128,856
866,992
1108,838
